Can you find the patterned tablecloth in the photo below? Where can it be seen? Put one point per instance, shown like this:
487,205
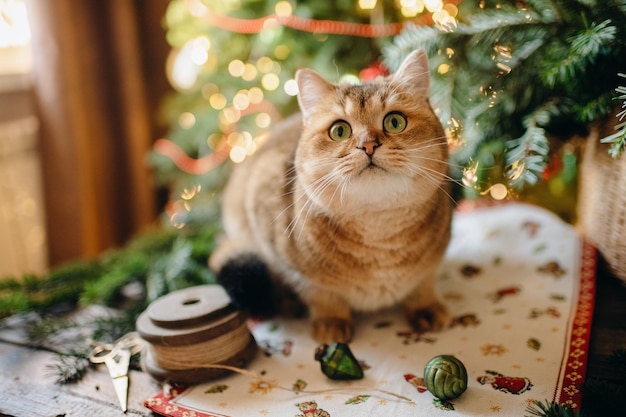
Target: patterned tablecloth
520,284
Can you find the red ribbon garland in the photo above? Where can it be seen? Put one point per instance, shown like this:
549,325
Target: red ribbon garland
334,27
199,166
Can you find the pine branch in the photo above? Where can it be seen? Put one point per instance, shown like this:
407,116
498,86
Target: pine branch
603,398
527,157
413,37
175,258
111,328
618,139
43,331
69,368
585,47
550,409
517,62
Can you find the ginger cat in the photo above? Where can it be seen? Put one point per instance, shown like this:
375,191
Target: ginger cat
346,204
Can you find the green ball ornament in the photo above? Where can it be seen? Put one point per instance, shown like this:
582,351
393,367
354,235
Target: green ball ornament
445,377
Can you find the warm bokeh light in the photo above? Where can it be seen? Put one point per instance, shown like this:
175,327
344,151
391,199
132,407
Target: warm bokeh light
217,101
282,52
283,8
263,120
443,69
241,100
236,68
265,64
230,115
367,4
270,82
433,5
411,8
256,95
199,50
249,72
237,154
186,120
291,87
498,191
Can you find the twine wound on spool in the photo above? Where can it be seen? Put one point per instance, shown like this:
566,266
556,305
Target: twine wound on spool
191,330
201,354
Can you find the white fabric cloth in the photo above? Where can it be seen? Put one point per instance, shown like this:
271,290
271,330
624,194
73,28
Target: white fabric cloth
518,281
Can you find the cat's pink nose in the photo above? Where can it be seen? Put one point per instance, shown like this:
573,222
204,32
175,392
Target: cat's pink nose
369,147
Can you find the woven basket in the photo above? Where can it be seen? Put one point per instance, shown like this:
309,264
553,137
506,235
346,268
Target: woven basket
602,200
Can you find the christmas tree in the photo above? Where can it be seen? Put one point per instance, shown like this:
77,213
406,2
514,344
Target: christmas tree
514,79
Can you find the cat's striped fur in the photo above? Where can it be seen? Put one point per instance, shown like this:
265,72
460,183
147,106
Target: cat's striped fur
359,223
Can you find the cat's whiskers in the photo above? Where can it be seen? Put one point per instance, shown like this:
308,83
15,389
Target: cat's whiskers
444,175
291,226
295,201
308,205
311,193
429,143
427,174
292,175
344,186
342,176
435,173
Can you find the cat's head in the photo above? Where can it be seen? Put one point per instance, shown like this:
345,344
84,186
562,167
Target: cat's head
378,142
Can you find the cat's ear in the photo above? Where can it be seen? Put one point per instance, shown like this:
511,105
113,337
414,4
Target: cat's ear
312,88
413,74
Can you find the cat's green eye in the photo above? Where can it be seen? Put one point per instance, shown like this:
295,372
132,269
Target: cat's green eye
394,123
340,130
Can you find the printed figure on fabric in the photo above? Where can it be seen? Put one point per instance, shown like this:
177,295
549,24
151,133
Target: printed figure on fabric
507,384
309,409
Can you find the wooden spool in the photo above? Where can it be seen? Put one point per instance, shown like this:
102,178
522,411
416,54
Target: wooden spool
191,329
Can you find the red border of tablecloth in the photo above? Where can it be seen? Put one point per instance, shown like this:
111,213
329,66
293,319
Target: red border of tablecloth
576,351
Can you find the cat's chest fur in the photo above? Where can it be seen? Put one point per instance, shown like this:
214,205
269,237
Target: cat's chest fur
373,258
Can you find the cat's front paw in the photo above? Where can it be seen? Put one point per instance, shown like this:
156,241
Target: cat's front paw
432,318
330,330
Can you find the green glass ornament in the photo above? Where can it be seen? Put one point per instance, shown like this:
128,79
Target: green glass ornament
338,362
445,377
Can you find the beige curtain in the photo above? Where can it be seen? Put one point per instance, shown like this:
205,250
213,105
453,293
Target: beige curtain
98,77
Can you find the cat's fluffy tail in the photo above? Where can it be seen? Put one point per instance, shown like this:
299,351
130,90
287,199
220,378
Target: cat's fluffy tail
248,282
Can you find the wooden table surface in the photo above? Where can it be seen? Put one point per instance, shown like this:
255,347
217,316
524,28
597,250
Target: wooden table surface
28,389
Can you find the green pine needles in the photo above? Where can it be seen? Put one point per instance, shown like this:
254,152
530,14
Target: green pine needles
520,76
618,139
155,263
